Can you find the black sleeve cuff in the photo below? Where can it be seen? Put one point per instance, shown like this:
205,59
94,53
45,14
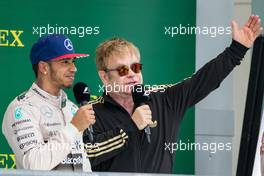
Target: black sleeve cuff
238,49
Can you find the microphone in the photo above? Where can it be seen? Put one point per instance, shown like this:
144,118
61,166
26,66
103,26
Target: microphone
140,98
82,95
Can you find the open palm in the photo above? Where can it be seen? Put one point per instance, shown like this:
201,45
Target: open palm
249,32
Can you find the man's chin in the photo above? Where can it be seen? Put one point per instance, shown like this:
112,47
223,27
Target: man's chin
126,93
122,93
67,86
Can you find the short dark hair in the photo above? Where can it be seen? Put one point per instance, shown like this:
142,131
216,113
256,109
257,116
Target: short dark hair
35,69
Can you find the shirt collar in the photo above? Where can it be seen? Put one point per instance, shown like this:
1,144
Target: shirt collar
58,101
108,99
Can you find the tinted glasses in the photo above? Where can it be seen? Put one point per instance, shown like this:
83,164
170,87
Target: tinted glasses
124,69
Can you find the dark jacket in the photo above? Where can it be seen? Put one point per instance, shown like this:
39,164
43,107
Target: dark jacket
121,147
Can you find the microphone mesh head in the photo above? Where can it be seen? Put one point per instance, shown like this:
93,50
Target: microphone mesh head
138,94
81,92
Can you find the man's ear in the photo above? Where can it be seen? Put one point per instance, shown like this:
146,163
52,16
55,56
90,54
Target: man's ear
104,77
43,68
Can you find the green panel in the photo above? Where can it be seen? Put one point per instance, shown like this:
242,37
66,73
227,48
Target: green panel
166,59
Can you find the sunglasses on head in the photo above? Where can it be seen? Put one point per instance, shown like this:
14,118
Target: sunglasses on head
124,69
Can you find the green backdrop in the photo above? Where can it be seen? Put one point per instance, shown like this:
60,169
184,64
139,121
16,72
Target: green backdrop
166,59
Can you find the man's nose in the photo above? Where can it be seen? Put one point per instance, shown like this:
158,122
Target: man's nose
131,73
73,67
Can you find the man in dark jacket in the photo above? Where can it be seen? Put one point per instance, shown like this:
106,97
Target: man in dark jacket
120,142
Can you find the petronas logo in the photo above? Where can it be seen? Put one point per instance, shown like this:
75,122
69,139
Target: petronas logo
18,113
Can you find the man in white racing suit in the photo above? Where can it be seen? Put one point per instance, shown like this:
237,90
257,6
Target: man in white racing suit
43,127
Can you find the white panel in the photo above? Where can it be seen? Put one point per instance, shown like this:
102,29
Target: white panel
214,115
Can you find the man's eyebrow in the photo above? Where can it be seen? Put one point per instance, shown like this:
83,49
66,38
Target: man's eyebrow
66,59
